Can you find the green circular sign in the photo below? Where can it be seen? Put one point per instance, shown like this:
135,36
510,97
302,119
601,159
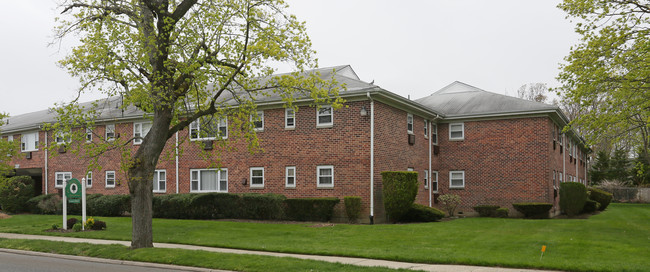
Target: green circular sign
73,190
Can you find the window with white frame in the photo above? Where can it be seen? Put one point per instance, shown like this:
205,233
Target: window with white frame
258,121
140,130
409,123
110,179
456,131
209,180
60,177
554,179
560,176
325,175
89,135
290,176
426,129
62,138
426,179
289,118
434,134
410,169
89,179
10,138
257,177
160,181
434,181
29,142
110,132
209,128
324,117
456,179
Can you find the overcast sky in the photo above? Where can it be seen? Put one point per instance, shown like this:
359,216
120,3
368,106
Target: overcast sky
412,48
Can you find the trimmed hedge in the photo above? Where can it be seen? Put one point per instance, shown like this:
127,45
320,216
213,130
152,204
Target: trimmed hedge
311,209
501,213
400,189
591,206
486,210
263,207
573,196
219,206
421,213
15,192
107,205
533,209
600,196
45,204
352,207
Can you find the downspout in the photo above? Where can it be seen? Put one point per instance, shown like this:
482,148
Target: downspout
372,159
576,163
564,159
176,158
429,174
46,162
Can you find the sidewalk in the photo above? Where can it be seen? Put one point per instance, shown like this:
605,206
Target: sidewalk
332,259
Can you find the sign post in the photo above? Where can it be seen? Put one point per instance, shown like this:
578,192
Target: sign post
74,192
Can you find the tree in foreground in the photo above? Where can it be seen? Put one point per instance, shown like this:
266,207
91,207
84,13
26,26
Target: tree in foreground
180,62
607,75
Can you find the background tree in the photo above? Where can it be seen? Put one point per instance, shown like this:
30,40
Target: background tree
180,61
607,75
534,92
7,150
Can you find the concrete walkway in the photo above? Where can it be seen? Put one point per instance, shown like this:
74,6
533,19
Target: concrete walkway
332,259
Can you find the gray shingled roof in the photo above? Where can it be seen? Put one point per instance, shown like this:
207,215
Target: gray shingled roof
459,100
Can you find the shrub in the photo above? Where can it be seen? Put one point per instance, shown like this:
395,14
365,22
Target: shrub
218,206
572,197
15,192
449,202
45,204
311,209
352,207
213,205
486,210
55,226
99,225
533,209
108,205
501,213
175,206
71,222
90,222
77,227
590,206
400,189
421,213
600,196
262,206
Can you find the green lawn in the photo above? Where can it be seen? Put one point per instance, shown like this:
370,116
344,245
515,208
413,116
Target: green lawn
615,240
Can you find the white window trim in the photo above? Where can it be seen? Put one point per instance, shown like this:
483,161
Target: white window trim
286,177
89,178
451,174
434,131
62,138
260,118
462,130
426,179
10,138
23,144
409,117
318,115
251,177
157,174
426,129
106,179
198,137
56,178
141,131
434,180
106,132
286,118
219,172
89,135
318,176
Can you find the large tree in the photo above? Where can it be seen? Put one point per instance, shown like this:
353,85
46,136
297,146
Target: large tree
180,61
608,73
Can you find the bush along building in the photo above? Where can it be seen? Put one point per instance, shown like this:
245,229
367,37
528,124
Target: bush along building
489,149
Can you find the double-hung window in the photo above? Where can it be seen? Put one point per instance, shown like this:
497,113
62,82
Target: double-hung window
140,130
29,142
258,121
434,134
324,116
325,174
257,177
160,181
409,123
290,176
289,118
110,179
208,128
456,179
60,177
89,179
434,181
426,179
62,138
209,180
456,131
89,135
426,129
110,132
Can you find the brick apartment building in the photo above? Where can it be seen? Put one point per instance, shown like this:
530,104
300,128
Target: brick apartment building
487,148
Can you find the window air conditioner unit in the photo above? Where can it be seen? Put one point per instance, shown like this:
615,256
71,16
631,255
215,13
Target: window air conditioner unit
207,145
411,139
436,149
62,149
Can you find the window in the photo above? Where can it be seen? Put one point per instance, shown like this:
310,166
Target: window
409,123
457,131
60,177
110,132
89,179
434,181
257,177
61,138
89,135
324,117
258,121
140,130
207,128
290,174
10,138
560,176
456,179
410,169
559,135
159,181
426,179
209,180
325,175
29,142
110,179
289,118
426,129
554,179
434,134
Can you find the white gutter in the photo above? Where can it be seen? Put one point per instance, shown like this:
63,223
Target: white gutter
429,174
372,158
176,158
46,162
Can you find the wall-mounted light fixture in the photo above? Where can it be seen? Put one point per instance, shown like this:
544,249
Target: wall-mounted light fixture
363,111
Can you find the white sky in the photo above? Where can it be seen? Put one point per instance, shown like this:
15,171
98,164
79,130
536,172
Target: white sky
408,47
